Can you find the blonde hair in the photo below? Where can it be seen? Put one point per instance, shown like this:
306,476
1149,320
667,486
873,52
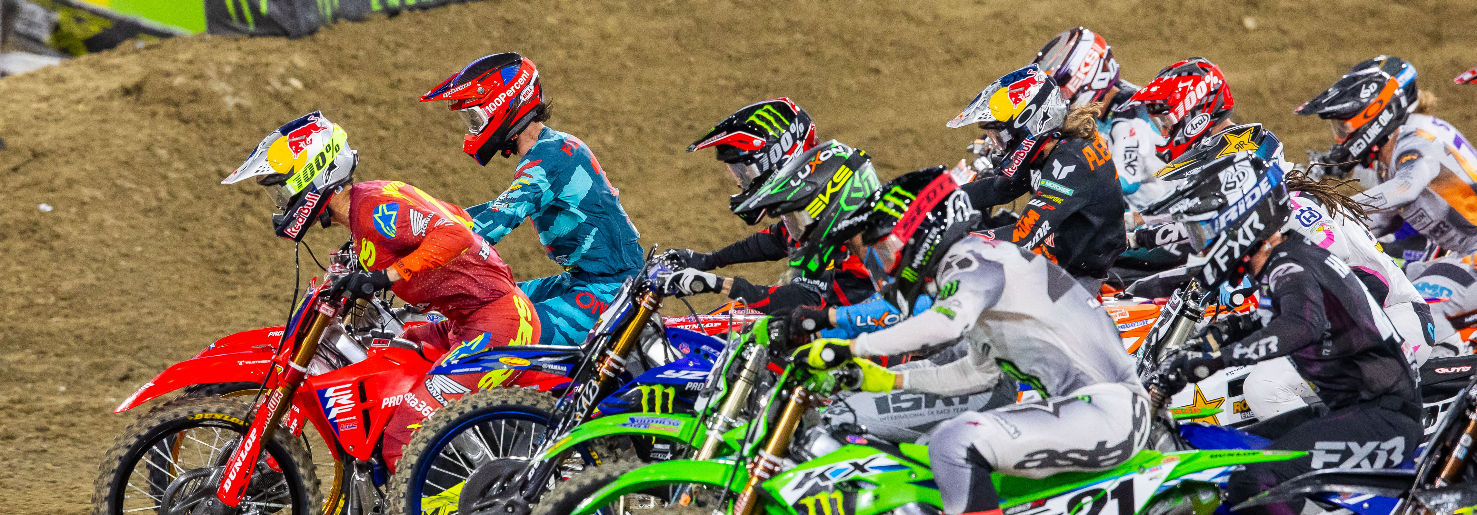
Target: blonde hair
1082,121
1426,102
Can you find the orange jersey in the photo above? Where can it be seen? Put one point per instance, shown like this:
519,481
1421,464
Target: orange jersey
440,260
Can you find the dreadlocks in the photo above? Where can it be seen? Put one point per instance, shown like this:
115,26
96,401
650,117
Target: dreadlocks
1326,192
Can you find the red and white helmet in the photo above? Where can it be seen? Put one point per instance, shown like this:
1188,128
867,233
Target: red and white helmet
1082,63
498,96
1185,100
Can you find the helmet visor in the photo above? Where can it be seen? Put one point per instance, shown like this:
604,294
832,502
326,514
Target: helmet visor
743,173
796,222
1164,122
888,251
476,119
1199,238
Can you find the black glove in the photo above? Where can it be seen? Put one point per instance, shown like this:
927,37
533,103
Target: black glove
809,319
1187,367
686,258
361,284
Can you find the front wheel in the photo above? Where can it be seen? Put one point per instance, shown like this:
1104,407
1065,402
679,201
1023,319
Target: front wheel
498,426
566,496
170,461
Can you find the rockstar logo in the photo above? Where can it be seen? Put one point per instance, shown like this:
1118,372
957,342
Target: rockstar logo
1201,403
1238,143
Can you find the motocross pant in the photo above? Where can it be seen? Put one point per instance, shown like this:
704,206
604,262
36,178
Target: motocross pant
507,321
1371,435
569,303
1036,439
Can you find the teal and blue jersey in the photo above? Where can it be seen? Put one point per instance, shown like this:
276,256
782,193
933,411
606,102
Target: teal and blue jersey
560,187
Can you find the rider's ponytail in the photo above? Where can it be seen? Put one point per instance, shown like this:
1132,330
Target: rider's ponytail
1082,121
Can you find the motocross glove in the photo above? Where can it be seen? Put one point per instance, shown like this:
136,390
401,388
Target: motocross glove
1189,367
691,281
361,284
809,319
874,377
687,258
825,353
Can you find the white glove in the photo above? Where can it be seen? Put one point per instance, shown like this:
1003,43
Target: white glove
691,281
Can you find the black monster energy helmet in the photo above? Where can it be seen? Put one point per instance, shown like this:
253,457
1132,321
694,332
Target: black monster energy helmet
1233,200
755,142
815,191
917,216
1365,106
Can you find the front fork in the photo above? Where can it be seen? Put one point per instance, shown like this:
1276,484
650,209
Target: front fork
269,413
609,366
767,464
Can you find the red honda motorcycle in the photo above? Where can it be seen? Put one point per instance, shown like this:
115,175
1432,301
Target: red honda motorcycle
337,366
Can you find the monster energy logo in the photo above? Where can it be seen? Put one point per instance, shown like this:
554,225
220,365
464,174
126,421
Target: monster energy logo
825,503
769,119
651,398
948,290
326,10
1015,373
892,204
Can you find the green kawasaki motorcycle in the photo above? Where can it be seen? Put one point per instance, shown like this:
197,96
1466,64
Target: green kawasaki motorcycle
843,471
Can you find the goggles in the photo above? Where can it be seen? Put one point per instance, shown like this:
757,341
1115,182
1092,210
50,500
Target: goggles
476,117
796,222
277,189
743,173
889,251
1341,130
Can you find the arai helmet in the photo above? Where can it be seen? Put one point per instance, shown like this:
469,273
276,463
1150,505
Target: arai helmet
1185,101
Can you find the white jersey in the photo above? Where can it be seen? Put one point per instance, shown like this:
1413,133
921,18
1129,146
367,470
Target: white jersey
1351,242
1020,314
1131,141
1428,184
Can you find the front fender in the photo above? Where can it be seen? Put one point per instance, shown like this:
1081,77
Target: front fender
710,473
248,366
678,428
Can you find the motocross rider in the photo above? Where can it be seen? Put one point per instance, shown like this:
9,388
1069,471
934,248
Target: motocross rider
753,144
1453,280
808,193
1075,215
1419,162
1009,305
406,241
1235,207
557,184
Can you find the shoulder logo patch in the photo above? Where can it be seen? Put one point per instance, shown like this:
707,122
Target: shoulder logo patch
385,217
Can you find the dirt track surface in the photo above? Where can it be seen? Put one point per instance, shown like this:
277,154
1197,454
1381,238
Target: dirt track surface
146,259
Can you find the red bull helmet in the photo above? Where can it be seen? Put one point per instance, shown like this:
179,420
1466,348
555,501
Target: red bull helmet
301,165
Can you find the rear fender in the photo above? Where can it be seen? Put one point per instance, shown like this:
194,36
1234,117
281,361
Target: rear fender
1192,462
677,428
710,473
1384,483
248,365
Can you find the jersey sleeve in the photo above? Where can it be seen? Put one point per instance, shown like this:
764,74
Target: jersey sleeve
873,315
441,240
528,194
968,285
774,299
1298,320
769,244
993,191
974,373
1414,170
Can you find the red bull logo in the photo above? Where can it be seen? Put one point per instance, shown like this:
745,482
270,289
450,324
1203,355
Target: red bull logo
1023,89
300,138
